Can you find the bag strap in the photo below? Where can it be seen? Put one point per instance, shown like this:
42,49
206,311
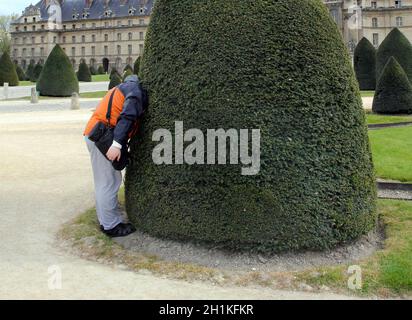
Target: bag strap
109,108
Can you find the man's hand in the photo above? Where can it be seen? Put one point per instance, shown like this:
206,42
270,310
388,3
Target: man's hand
114,154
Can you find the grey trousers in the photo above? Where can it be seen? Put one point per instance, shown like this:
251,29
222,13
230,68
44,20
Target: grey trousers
107,182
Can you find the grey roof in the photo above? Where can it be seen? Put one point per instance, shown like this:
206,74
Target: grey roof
98,8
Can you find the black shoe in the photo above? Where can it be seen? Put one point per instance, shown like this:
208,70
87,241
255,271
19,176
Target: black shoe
121,230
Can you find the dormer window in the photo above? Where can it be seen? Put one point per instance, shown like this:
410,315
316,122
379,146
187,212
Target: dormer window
142,10
132,11
85,15
108,13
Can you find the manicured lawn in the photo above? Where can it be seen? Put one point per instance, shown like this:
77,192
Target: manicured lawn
367,93
380,119
392,153
98,94
100,78
26,83
387,272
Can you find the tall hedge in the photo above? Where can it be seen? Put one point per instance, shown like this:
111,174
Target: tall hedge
20,73
293,81
8,71
58,78
365,64
394,91
398,46
83,74
136,66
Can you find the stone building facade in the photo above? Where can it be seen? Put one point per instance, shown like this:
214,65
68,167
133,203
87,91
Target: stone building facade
372,19
109,33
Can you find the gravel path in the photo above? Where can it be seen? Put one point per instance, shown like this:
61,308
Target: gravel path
46,181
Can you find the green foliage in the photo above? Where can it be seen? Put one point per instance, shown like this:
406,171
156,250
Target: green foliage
58,78
394,91
83,74
30,71
136,66
294,81
8,71
36,72
114,72
100,70
127,73
115,80
365,64
20,73
128,67
92,70
398,46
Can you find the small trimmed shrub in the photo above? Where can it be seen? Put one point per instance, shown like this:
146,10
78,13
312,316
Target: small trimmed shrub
365,64
115,80
136,66
128,67
394,91
20,73
316,187
114,72
398,46
8,71
127,73
58,78
83,74
100,70
92,70
36,72
30,71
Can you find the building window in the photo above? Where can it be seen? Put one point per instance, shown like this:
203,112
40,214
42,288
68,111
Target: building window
93,38
83,39
141,35
106,37
33,40
64,39
130,23
83,51
374,5
130,49
141,49
54,39
42,52
119,36
24,40
16,52
64,27
25,20
376,39
32,52
398,4
93,51
25,28
399,21
17,28
119,50
73,51
83,26
33,28
106,50
73,26
73,39
141,22
42,26
23,54
374,22
34,19
130,35
93,25
106,24
119,23
42,39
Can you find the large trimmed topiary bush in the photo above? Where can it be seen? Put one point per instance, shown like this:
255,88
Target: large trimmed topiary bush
394,91
30,71
115,80
293,81
83,74
136,66
20,73
398,46
365,64
8,71
58,78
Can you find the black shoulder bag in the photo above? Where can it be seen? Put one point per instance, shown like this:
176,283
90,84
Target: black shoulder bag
103,134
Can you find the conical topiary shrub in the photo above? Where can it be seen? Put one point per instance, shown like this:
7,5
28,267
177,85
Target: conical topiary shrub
126,73
58,78
36,72
394,91
113,72
92,70
365,64
30,71
83,74
136,66
8,71
398,46
128,67
100,70
293,81
115,80
20,73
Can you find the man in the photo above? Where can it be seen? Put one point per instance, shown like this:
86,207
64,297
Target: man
127,108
